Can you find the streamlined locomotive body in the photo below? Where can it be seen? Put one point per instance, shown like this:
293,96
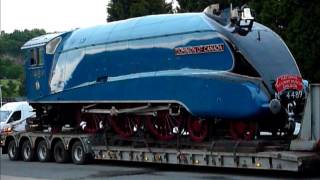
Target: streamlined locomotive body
166,74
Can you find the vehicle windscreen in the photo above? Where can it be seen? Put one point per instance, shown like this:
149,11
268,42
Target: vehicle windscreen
4,115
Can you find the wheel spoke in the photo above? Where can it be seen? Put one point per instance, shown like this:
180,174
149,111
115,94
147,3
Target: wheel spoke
198,129
163,126
92,123
242,130
124,125
130,126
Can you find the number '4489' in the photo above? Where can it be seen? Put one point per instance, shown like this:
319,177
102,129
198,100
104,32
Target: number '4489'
294,94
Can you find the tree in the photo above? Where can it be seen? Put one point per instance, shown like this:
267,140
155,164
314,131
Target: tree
10,43
11,62
124,9
10,70
198,6
9,90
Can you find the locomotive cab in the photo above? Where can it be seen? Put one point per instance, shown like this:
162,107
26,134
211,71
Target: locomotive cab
35,70
39,53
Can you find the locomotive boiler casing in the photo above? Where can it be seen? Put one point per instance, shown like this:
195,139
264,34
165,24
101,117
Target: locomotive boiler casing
189,59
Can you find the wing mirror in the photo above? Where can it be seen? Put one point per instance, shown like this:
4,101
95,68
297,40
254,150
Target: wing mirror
242,20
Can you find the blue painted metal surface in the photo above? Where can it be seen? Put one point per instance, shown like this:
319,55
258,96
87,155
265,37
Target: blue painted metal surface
135,61
264,50
40,41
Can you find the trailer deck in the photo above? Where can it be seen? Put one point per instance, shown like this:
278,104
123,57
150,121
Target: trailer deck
227,154
269,160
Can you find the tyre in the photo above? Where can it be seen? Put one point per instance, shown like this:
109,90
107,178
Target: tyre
43,152
61,155
13,151
27,152
78,154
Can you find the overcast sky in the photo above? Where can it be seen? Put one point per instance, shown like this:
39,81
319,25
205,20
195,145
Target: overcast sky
51,15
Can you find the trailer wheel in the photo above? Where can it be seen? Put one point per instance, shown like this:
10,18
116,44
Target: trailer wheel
13,151
27,151
78,155
43,153
61,155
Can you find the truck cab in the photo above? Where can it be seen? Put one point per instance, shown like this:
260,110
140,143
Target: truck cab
13,116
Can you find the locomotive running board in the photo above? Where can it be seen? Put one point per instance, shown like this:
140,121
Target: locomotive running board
136,110
267,160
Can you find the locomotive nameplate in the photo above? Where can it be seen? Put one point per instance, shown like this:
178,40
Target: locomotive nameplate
210,48
289,82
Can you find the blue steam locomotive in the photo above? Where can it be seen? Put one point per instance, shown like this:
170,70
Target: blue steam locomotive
167,74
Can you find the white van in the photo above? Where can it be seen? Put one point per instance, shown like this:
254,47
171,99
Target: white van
13,116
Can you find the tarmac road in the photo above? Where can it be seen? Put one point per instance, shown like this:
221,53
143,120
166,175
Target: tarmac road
11,170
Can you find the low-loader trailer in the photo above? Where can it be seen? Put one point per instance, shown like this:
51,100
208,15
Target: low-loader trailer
298,154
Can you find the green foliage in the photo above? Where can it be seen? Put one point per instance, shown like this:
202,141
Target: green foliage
10,88
10,70
295,21
124,9
11,63
10,43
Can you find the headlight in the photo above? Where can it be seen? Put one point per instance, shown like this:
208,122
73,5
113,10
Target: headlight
7,129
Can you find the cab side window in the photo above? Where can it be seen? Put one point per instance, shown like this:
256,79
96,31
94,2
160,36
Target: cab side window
36,56
15,116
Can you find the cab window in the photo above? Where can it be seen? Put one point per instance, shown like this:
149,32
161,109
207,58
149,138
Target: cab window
16,116
36,56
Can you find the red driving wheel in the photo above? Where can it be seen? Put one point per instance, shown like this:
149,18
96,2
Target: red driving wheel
198,129
92,123
163,126
125,126
242,130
